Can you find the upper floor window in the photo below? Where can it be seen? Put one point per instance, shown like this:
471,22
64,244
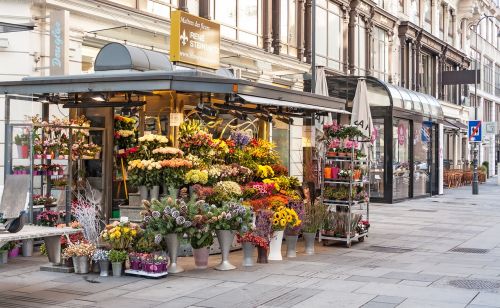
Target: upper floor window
240,19
288,26
497,81
380,54
450,26
329,35
426,73
361,46
487,112
451,91
441,13
427,15
401,6
488,76
415,12
162,8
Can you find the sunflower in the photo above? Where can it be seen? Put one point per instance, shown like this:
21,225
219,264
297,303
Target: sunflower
283,222
277,215
276,222
289,218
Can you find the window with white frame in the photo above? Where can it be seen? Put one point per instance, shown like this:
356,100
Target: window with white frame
415,11
329,35
427,15
288,26
380,54
450,26
163,8
488,75
361,46
497,80
426,73
240,19
441,12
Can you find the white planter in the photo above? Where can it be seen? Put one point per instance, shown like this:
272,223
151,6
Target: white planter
275,246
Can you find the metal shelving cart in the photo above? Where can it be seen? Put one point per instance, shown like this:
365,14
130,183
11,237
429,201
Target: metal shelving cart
347,216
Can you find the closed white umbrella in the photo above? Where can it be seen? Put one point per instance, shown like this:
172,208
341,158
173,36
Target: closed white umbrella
361,116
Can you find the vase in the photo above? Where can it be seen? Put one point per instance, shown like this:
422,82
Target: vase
247,253
14,252
201,257
275,246
104,266
291,245
81,264
4,256
173,245
117,268
95,267
154,192
261,255
225,238
27,248
144,192
309,238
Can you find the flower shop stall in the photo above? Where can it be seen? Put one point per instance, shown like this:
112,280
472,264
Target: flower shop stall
191,153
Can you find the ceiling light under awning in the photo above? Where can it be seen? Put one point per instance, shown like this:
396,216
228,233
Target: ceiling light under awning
274,102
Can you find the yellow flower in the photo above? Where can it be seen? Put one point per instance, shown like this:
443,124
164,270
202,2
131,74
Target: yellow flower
133,232
276,222
283,222
126,230
289,218
277,215
118,234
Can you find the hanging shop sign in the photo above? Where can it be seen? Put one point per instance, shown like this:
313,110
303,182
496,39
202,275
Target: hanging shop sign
176,118
194,40
59,43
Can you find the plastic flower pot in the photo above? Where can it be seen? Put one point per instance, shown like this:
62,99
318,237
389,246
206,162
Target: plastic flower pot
117,268
14,252
81,264
201,257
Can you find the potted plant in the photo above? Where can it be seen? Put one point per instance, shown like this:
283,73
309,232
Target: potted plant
13,248
81,253
120,235
332,152
101,256
283,217
227,220
263,232
22,142
314,216
117,257
48,218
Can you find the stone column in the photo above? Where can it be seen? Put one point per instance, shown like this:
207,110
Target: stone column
353,17
369,47
390,57
435,18
300,30
308,30
266,25
276,26
440,64
414,75
418,47
403,62
454,28
345,38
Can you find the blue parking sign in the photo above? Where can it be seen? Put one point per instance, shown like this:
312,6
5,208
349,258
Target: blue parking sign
475,131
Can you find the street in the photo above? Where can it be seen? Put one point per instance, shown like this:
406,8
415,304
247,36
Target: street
407,261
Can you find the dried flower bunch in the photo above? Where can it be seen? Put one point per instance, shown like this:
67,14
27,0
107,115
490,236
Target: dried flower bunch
80,249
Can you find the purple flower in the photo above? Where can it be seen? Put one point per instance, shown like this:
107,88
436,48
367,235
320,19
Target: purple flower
240,138
228,216
175,213
155,214
167,210
158,238
188,224
180,220
147,218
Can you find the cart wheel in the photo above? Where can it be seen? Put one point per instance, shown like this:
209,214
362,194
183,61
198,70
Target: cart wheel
348,244
361,239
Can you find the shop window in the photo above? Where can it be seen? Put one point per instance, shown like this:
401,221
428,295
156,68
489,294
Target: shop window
378,157
240,20
380,54
488,76
401,159
329,35
426,73
421,150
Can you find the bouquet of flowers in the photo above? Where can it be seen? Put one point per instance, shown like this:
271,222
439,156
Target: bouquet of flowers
79,250
48,218
250,237
231,216
43,200
196,176
120,235
145,172
285,217
100,255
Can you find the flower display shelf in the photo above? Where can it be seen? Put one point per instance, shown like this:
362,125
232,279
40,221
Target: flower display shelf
145,274
343,209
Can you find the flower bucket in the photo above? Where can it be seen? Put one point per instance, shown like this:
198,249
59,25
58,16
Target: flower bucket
291,245
201,257
173,245
4,256
275,246
81,264
247,253
117,268
262,255
104,266
309,238
144,192
14,252
154,192
135,265
225,238
28,248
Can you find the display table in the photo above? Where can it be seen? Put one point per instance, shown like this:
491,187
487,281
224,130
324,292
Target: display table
50,235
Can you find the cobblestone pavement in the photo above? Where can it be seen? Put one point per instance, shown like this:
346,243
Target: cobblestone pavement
408,261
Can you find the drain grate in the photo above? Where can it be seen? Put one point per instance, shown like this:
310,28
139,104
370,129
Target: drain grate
470,250
387,249
422,210
475,284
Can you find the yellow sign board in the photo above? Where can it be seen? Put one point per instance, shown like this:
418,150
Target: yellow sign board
194,40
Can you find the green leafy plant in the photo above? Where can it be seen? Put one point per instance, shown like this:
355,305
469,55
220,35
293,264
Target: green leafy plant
200,240
22,139
117,255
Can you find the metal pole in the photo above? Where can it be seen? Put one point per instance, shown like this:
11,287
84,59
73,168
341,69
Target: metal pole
475,184
313,47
